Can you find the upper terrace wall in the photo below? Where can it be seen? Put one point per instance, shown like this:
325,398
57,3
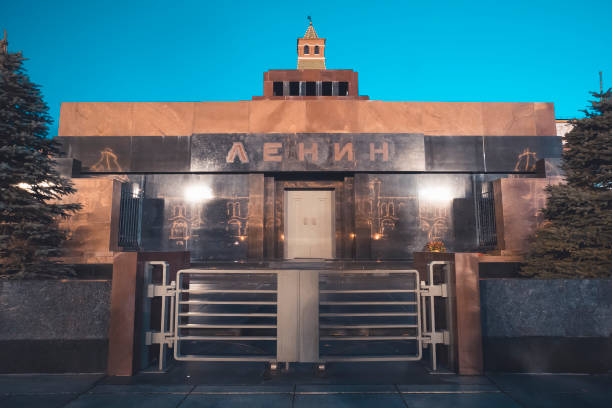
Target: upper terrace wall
288,116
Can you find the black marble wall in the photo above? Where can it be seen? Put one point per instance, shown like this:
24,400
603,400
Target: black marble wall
406,152
204,214
398,214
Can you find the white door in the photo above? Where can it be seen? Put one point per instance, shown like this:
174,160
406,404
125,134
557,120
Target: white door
309,224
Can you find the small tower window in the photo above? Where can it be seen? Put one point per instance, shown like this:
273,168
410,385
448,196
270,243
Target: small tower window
278,88
306,50
294,89
311,89
342,88
326,89
316,49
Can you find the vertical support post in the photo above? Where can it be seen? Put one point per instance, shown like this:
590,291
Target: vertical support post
308,329
146,314
469,330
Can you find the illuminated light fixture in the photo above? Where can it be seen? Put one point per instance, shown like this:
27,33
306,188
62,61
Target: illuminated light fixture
236,243
282,237
242,238
436,194
197,193
352,235
135,189
377,236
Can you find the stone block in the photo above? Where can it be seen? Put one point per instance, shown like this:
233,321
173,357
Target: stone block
221,117
162,118
508,119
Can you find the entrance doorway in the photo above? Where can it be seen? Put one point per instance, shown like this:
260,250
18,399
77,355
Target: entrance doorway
309,224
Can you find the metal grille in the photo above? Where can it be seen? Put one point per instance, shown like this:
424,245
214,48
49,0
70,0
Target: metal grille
369,316
130,218
226,315
485,220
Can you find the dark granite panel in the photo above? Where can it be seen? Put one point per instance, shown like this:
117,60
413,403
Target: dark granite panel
55,310
307,152
205,214
102,154
544,354
549,167
397,214
53,356
454,153
160,154
519,153
464,224
555,307
152,223
67,167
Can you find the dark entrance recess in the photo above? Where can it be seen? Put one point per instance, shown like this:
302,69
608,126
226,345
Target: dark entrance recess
294,88
278,88
342,88
311,88
327,89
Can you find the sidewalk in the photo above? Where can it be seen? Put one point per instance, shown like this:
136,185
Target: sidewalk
170,390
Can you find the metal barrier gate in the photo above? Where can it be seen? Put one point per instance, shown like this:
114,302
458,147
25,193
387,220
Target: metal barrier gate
295,315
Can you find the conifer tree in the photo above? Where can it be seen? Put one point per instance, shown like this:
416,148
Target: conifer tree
576,239
30,187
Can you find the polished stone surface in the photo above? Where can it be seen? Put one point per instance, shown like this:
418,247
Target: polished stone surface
518,153
307,152
554,307
286,389
205,214
294,116
54,310
240,152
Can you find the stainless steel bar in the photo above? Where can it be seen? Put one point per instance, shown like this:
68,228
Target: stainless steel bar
238,338
366,326
205,291
371,358
366,314
212,302
189,357
370,291
366,303
202,314
368,338
226,326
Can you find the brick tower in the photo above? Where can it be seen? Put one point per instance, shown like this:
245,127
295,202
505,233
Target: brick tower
311,50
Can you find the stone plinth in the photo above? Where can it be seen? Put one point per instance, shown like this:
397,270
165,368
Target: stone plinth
518,204
94,230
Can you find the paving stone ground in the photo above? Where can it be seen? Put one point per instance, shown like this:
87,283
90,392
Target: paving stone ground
252,386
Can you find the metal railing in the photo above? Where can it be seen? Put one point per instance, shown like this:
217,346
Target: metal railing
130,218
318,316
225,315
378,307
485,220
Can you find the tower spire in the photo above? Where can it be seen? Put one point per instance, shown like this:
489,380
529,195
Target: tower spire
311,49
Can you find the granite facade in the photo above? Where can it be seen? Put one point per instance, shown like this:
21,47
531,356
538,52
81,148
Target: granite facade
546,308
298,152
54,310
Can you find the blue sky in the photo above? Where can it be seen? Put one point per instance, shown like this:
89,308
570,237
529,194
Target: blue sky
518,51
